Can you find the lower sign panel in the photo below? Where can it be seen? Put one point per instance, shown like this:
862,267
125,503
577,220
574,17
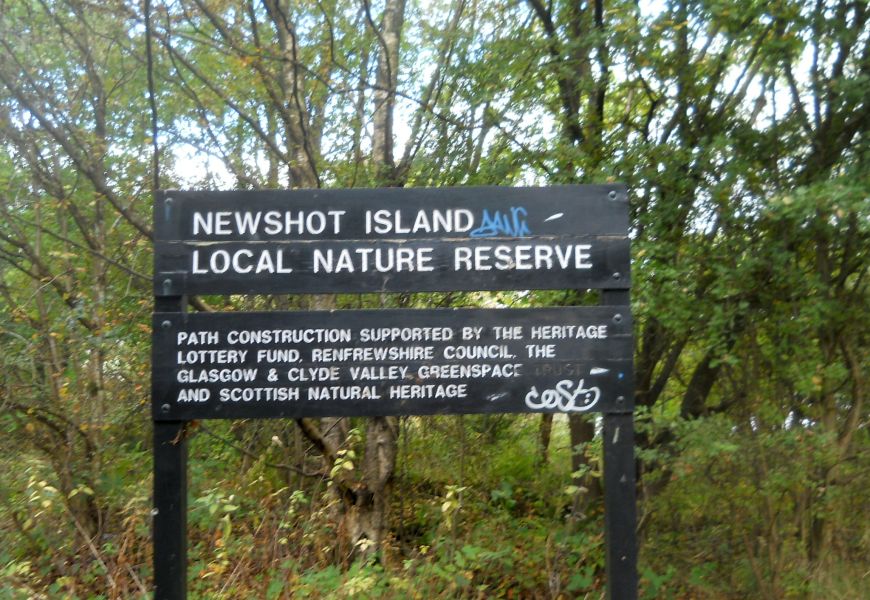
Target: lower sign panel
391,362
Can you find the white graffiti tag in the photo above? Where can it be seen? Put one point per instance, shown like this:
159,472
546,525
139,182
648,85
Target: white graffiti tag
579,399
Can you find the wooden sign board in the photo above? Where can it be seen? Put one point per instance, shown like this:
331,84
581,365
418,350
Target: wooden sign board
387,240
391,362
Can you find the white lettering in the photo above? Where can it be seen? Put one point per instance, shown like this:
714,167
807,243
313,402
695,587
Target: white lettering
203,223
522,257
237,265
247,222
381,260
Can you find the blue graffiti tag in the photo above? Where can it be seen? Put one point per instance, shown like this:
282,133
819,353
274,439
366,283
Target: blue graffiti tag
495,224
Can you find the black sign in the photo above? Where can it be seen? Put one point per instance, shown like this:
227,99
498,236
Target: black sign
421,239
391,362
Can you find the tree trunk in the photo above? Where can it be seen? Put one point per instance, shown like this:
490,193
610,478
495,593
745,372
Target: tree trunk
367,518
582,430
544,431
301,145
385,91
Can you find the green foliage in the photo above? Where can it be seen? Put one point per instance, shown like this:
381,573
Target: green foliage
740,502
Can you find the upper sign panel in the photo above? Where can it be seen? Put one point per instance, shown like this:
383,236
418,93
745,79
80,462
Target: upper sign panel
389,240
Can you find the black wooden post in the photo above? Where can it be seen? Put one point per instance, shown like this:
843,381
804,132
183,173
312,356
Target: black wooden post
620,510
170,511
170,492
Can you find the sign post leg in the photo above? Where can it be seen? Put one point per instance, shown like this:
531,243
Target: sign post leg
620,511
170,510
169,526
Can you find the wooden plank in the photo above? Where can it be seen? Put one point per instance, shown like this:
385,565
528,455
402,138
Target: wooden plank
620,510
620,507
391,266
440,239
391,362
170,510
553,211
169,524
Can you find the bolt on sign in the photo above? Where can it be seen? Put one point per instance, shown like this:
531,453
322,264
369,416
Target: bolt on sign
296,364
